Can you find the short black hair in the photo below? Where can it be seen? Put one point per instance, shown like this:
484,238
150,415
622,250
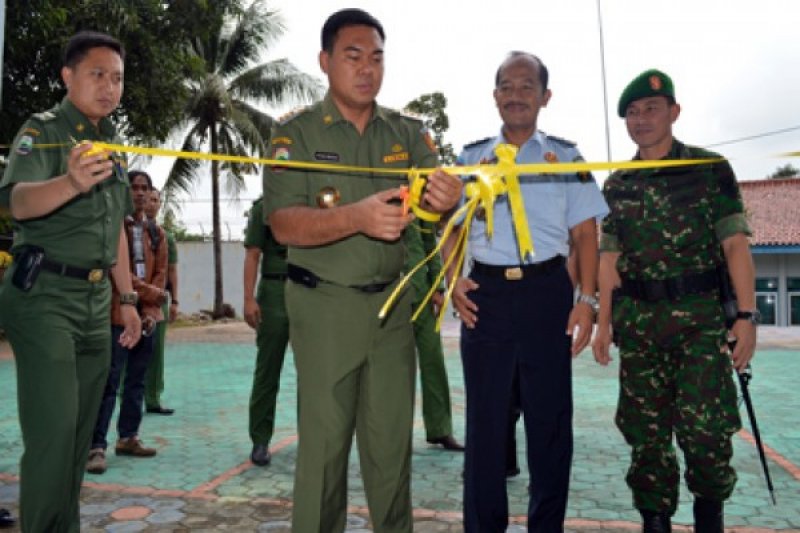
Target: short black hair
544,74
133,174
79,45
344,18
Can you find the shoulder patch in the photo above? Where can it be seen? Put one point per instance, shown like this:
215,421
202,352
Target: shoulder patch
473,144
294,113
561,140
45,116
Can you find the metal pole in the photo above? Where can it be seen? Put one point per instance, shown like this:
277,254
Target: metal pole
603,73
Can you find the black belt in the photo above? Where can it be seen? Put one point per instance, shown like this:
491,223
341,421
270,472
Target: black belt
276,277
93,275
518,272
308,279
671,288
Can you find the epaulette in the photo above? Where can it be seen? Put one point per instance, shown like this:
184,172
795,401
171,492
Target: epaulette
405,113
566,142
292,114
44,116
473,144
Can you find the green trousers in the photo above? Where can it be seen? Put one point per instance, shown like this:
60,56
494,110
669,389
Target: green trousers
60,333
676,382
355,373
154,379
272,337
436,410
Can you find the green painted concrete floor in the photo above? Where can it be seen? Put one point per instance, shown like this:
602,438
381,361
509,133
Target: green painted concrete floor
201,479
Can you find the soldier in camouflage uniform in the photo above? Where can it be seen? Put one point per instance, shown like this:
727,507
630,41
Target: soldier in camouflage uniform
669,234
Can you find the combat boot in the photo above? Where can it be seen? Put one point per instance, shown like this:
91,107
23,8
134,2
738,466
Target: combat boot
653,522
707,516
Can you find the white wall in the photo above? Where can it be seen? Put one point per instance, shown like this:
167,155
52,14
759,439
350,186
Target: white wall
196,276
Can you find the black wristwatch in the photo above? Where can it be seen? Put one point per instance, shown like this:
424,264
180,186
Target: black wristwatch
753,316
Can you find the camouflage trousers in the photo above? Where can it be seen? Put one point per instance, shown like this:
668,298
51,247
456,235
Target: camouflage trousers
676,377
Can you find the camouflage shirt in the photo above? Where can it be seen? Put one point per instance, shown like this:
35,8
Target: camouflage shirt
668,222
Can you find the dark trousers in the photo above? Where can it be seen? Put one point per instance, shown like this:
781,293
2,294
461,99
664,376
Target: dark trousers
134,361
521,328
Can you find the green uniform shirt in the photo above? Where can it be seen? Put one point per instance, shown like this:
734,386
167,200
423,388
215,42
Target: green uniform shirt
258,235
669,222
172,249
84,232
420,239
320,134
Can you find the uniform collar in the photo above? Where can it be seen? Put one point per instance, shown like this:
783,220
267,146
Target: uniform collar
81,125
676,151
537,138
331,114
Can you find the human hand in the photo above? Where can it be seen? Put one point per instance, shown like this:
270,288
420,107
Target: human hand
148,326
466,309
173,311
252,312
442,192
601,345
581,318
437,299
85,170
744,332
375,215
132,326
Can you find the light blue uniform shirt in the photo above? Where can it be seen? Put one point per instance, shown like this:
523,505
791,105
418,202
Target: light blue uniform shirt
554,203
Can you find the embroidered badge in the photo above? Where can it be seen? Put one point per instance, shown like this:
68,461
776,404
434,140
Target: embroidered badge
281,140
655,82
25,145
551,157
397,148
394,158
327,119
426,136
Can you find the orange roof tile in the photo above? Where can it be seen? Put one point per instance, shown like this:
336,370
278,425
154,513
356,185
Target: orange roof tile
773,210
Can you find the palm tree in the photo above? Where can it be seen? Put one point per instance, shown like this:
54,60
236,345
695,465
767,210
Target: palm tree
220,113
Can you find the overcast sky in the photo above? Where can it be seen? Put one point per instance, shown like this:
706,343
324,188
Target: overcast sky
735,65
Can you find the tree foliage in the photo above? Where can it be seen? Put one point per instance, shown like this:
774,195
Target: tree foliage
432,107
786,171
220,111
155,34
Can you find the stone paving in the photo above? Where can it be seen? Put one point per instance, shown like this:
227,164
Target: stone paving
201,479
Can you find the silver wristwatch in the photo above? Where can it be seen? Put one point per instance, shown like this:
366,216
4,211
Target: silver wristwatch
591,300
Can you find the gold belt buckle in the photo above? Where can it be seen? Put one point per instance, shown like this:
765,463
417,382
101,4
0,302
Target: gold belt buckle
95,275
513,274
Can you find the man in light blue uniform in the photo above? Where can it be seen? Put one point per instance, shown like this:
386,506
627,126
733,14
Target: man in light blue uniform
520,315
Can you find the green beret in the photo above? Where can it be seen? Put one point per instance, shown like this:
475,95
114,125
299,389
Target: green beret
649,83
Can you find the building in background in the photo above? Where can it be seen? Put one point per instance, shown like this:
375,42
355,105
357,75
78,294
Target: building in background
773,209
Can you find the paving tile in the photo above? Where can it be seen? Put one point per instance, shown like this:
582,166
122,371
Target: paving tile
200,481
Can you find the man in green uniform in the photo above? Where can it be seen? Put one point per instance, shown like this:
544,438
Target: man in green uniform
266,313
346,253
154,381
665,246
68,205
421,241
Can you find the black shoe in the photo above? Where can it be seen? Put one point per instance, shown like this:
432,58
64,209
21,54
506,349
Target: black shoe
708,516
653,522
448,443
260,455
160,410
6,520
